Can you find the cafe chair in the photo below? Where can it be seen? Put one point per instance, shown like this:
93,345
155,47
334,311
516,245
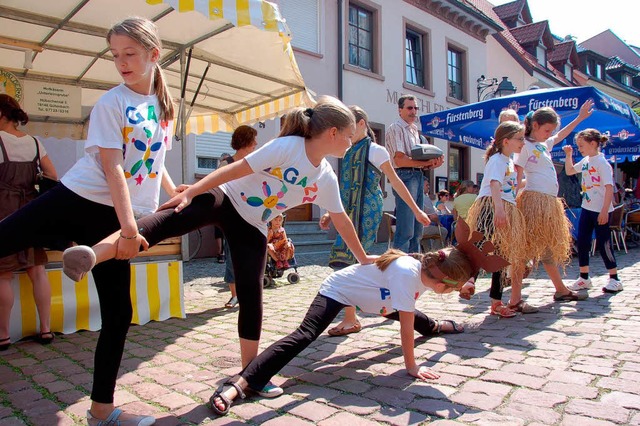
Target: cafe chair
433,237
617,227
632,223
390,221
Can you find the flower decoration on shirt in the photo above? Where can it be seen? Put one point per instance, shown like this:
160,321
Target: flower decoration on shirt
269,202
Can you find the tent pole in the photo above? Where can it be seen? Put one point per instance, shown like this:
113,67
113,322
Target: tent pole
184,246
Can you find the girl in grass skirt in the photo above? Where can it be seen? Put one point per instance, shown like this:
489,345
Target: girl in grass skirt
548,229
495,215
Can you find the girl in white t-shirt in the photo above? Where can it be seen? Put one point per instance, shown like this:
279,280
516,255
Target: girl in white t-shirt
548,239
597,196
494,214
117,180
389,287
242,197
363,165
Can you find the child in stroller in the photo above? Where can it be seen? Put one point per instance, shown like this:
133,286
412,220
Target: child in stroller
281,253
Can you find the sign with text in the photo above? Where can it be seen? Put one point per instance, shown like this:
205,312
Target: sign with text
53,100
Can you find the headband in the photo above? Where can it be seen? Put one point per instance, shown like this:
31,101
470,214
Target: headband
479,258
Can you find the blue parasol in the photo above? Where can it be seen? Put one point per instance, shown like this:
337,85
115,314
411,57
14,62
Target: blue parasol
474,124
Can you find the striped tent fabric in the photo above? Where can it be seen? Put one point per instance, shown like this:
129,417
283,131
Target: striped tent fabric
258,13
156,295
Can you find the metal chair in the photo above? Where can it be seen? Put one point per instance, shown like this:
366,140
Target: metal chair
434,237
390,220
617,227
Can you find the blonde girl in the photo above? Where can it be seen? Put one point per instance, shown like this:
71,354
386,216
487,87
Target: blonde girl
597,196
242,197
362,168
548,237
494,214
118,179
389,287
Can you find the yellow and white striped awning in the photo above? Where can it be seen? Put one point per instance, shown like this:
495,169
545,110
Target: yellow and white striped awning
258,13
252,76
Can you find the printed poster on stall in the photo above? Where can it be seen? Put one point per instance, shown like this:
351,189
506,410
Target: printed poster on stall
52,100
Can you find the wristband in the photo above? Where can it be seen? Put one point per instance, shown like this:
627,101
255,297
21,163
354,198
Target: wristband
128,238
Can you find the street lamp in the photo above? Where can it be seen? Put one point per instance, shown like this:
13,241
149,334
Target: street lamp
505,87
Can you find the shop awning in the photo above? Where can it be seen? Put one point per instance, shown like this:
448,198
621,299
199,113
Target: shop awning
475,124
252,75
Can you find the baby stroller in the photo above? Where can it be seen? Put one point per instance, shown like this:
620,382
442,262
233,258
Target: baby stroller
282,246
271,271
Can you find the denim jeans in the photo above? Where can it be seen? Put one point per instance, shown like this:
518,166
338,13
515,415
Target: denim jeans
408,229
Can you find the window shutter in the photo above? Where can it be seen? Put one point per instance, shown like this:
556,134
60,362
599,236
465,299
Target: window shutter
212,145
302,18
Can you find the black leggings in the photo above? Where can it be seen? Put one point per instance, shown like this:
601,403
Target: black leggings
60,214
586,226
321,313
248,247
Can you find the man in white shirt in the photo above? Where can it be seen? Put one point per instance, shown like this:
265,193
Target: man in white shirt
400,137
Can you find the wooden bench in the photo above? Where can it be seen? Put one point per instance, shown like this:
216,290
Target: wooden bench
156,293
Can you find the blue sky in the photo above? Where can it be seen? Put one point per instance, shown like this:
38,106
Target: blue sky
584,19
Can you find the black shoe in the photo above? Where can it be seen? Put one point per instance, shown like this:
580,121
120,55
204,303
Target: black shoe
222,258
5,343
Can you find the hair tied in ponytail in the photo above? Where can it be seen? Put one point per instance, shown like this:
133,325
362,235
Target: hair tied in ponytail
441,255
308,112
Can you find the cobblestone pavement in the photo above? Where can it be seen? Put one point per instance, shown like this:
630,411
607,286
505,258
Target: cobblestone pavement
571,363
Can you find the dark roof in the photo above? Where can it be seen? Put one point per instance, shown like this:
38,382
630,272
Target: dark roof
608,44
616,63
562,52
513,47
533,33
509,10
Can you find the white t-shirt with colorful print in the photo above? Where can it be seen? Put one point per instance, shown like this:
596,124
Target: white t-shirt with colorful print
500,168
282,178
127,121
374,291
596,175
539,172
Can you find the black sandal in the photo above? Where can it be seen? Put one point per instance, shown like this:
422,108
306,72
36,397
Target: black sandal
40,338
5,346
455,328
219,393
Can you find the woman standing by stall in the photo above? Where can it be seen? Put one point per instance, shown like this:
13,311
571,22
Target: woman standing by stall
20,156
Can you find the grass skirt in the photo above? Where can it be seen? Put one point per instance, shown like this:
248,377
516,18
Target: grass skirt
548,228
507,240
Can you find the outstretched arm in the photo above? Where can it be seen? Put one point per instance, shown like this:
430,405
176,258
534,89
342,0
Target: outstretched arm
214,179
406,337
402,190
585,111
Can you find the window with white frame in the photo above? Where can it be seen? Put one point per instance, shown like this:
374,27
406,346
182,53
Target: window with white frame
455,71
303,19
361,34
210,147
599,72
415,58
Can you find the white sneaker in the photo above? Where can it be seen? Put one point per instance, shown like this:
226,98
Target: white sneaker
613,286
581,284
270,391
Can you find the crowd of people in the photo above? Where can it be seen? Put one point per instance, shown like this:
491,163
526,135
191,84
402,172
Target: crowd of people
110,215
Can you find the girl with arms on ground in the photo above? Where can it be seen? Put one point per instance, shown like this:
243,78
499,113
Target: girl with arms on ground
597,194
494,214
362,168
118,179
548,239
389,287
242,197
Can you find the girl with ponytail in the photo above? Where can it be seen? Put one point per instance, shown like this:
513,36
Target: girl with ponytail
389,287
597,196
362,168
494,213
118,180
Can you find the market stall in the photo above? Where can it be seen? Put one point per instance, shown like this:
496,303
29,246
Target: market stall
226,62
